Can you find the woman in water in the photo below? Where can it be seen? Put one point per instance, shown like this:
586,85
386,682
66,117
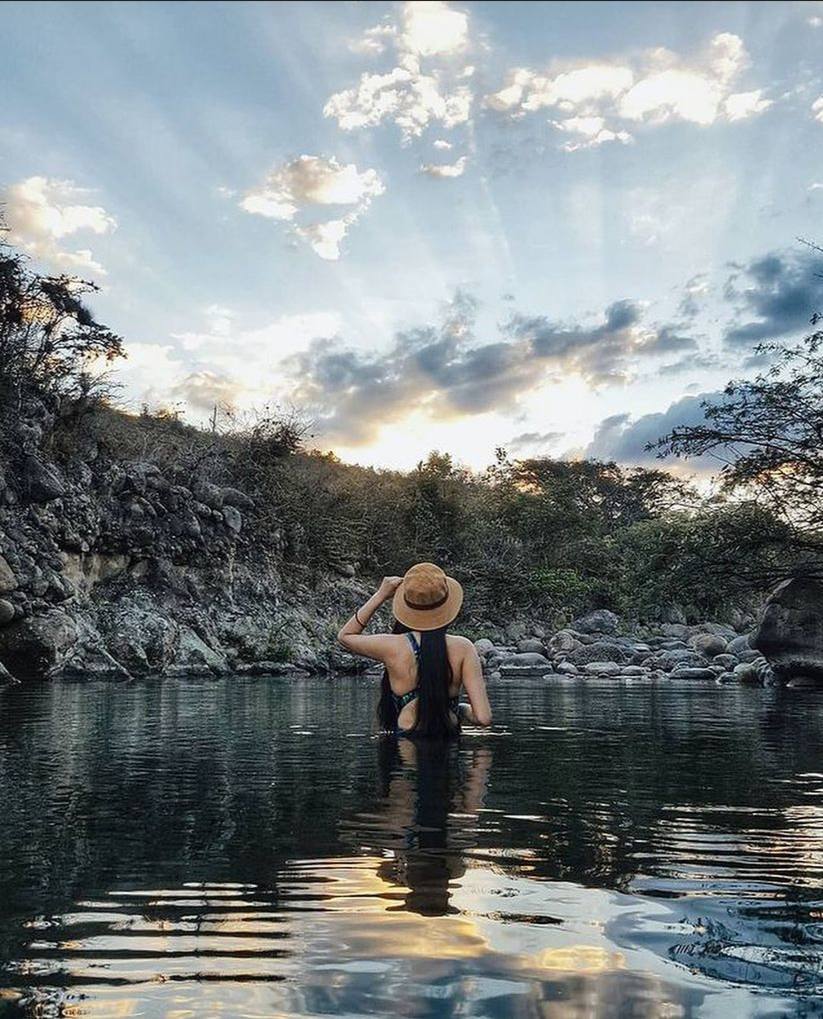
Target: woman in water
425,667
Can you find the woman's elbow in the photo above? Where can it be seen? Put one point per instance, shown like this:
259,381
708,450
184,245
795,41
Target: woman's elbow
483,718
342,639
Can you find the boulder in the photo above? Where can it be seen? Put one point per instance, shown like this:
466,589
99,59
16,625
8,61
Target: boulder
483,646
6,612
43,481
567,669
692,672
679,630
210,495
790,631
234,522
194,657
532,659
727,661
739,645
8,581
516,631
564,640
747,672
234,497
602,669
531,645
677,658
709,644
599,651
599,621
33,648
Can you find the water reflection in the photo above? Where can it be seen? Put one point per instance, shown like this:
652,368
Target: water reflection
213,849
430,800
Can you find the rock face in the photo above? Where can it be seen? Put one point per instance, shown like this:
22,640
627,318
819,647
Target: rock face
35,647
790,632
599,621
120,568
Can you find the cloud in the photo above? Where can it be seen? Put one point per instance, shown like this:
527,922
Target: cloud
817,109
587,132
442,144
42,213
373,40
597,102
431,28
532,442
311,181
204,390
441,170
775,295
602,353
406,95
745,104
694,295
445,371
223,362
624,439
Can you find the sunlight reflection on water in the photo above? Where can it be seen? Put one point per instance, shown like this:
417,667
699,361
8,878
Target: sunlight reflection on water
184,850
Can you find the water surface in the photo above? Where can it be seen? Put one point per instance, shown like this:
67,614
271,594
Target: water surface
249,848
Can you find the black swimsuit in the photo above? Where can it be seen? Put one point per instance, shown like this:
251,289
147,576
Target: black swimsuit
402,699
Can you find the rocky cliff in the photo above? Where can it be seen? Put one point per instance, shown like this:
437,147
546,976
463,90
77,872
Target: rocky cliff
108,567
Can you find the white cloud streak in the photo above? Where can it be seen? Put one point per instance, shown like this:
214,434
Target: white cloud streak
406,95
42,213
309,182
607,100
445,170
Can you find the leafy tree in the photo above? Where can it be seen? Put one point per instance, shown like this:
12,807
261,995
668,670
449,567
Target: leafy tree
767,434
49,340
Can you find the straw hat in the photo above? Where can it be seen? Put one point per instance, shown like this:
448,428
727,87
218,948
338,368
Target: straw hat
426,598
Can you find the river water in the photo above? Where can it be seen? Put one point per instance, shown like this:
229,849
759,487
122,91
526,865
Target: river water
249,848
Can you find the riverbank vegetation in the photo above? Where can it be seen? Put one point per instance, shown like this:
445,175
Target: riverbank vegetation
539,536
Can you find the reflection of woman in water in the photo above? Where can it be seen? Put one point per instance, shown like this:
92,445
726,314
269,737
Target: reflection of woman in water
431,803
425,667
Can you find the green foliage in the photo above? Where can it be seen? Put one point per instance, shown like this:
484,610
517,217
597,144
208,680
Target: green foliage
49,340
767,434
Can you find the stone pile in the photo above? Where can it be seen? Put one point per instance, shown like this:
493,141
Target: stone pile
595,647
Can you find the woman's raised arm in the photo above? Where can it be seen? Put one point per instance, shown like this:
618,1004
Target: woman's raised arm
351,634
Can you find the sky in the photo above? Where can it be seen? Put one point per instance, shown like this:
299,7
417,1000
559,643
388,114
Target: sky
551,227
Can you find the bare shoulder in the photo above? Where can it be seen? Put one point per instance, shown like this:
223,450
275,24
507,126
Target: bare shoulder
462,645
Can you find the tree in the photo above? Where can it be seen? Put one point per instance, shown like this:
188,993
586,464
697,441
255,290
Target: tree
49,340
767,434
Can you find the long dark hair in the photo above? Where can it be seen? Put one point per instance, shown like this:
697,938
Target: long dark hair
434,677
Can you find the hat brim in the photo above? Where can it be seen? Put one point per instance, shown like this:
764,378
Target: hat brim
429,619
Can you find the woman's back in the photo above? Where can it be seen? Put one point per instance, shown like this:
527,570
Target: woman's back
425,668
404,674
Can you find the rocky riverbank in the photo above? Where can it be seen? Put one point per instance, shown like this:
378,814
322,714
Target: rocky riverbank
596,645
113,567
109,567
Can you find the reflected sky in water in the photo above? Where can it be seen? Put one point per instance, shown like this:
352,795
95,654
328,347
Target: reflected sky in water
250,848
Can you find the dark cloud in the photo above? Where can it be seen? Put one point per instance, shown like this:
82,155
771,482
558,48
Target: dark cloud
690,363
532,441
623,439
774,295
694,296
445,370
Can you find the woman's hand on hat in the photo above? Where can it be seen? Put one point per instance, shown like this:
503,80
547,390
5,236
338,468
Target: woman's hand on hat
389,586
